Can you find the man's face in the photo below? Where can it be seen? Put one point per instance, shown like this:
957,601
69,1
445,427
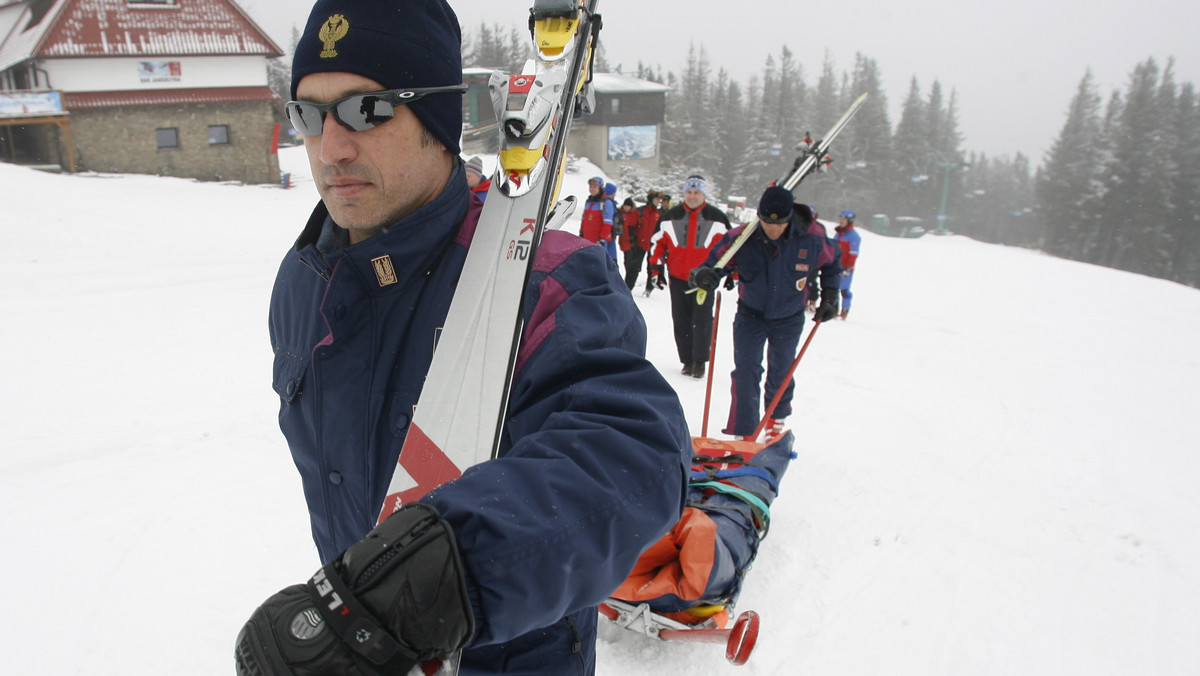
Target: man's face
843,221
693,198
773,231
373,178
473,179
593,188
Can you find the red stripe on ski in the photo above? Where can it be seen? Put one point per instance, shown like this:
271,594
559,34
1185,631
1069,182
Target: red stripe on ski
426,464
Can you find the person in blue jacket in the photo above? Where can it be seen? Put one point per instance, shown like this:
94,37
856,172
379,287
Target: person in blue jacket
618,224
849,241
508,562
773,267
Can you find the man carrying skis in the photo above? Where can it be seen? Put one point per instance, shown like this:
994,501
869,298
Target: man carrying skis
848,241
774,267
509,561
687,232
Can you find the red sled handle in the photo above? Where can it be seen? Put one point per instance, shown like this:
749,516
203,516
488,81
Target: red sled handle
739,639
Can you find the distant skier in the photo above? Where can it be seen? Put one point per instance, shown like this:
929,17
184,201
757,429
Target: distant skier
630,242
610,198
475,178
848,241
598,214
648,218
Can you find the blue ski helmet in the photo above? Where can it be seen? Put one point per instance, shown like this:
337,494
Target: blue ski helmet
848,215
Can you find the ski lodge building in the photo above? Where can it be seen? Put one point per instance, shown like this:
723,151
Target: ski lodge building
167,87
179,88
623,130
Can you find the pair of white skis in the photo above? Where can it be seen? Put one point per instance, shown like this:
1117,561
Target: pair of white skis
460,413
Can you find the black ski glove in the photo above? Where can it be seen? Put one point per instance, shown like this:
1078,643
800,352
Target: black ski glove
660,279
829,305
395,599
705,277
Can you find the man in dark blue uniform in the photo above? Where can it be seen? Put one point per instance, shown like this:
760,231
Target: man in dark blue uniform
509,561
773,268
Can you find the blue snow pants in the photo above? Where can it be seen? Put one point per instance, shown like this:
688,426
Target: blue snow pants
751,330
847,278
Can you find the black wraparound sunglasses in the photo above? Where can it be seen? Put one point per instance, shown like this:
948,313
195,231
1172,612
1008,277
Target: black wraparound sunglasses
359,112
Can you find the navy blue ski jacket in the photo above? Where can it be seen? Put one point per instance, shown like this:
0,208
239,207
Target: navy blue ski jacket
595,453
774,274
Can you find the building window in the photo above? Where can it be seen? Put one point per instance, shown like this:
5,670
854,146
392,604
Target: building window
616,105
218,134
167,138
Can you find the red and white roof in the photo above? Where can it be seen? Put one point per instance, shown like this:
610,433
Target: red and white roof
165,97
99,28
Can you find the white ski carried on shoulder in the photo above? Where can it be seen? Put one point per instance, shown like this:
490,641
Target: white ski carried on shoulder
807,164
460,413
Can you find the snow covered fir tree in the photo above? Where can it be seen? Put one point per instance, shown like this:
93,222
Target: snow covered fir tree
1119,187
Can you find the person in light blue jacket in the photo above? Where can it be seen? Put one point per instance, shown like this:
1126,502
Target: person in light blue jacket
508,562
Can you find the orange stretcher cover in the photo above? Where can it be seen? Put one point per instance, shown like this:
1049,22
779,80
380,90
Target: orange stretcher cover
679,563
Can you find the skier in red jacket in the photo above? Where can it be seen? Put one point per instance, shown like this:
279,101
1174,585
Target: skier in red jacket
648,217
688,231
630,242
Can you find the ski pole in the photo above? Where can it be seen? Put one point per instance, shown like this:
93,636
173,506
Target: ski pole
787,379
712,360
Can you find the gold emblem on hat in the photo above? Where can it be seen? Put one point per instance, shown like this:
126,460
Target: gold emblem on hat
384,272
334,29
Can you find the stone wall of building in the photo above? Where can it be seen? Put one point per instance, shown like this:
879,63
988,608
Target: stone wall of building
123,140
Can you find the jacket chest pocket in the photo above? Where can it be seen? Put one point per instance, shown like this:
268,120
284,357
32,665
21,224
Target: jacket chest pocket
287,378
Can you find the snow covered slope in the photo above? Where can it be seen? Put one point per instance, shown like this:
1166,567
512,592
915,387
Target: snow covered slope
997,462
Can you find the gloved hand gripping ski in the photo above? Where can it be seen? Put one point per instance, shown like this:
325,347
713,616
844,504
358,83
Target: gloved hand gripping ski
705,277
392,601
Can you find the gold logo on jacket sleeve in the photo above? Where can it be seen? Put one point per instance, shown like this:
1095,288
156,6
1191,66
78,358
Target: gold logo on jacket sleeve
384,272
334,29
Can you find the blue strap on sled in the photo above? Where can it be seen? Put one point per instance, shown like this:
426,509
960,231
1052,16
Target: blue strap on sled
755,502
746,470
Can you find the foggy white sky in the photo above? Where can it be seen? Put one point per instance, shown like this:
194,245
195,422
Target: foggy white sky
1014,64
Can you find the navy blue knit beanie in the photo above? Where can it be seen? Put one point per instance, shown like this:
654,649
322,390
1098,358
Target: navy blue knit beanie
398,43
775,205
